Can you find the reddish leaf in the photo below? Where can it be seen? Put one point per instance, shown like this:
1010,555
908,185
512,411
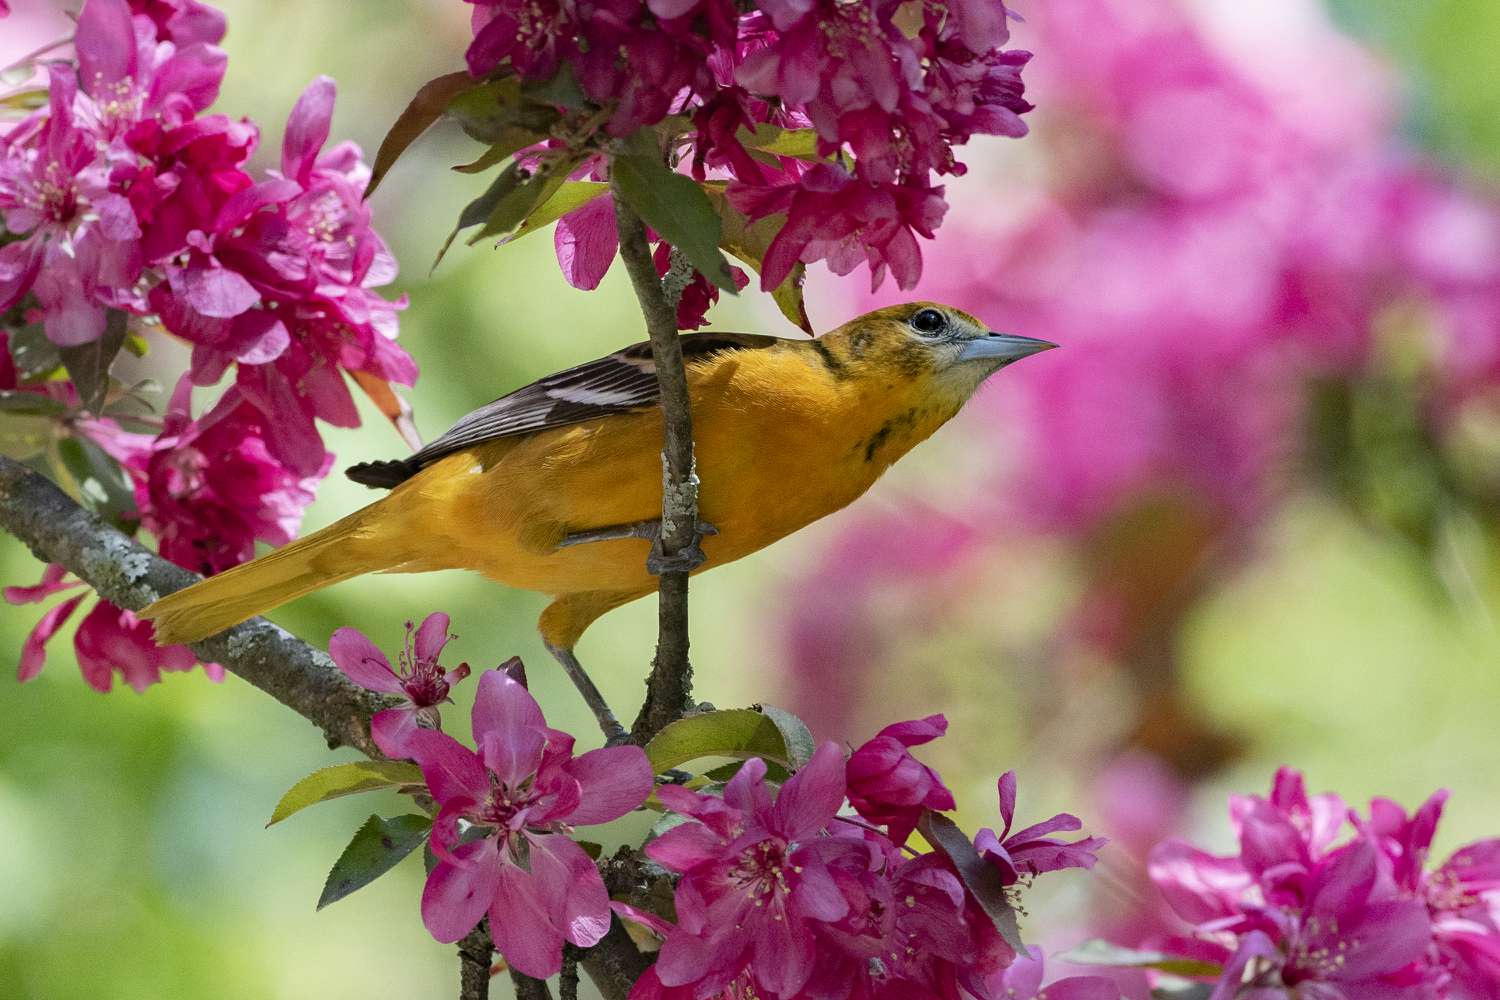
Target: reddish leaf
980,878
426,107
395,408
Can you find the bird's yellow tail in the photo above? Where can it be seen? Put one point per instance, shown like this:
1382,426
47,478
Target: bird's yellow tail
361,543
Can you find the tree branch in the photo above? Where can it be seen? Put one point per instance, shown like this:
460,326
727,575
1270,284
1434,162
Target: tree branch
475,952
302,678
527,988
669,689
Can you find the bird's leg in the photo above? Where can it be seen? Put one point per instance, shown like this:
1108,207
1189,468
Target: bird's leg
684,561
614,733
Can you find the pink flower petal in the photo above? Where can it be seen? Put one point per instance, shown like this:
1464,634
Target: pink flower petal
105,44
432,636
522,927
811,797
569,885
452,770
213,290
307,129
363,662
614,780
34,649
508,726
391,730
586,242
456,897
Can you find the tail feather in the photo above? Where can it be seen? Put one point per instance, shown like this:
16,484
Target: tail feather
344,549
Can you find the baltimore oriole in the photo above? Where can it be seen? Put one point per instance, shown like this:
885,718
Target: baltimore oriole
785,432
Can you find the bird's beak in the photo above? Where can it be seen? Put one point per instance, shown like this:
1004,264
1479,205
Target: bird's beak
1003,347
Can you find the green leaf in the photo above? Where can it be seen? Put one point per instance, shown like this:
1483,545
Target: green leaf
513,209
1100,952
34,355
480,208
377,847
749,242
561,90
722,774
344,779
25,100
427,106
795,735
571,196
103,486
735,732
675,206
25,437
31,404
800,143
511,140
492,111
88,364
979,877
1183,991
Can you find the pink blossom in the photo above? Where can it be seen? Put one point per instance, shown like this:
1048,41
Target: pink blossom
699,295
80,252
208,489
525,790
109,639
759,874
834,216
1030,852
890,787
1462,894
1293,912
419,679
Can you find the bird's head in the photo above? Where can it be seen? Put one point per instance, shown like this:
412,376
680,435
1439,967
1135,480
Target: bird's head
947,349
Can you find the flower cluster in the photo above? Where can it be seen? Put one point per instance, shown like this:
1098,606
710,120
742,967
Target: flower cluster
124,202
882,90
788,885
783,895
1323,902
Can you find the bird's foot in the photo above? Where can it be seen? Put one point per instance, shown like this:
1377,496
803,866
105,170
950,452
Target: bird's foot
685,559
614,733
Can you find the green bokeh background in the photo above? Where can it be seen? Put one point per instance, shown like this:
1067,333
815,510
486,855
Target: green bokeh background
133,858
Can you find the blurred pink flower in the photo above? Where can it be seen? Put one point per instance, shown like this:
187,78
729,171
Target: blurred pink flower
1022,980
1462,894
418,679
525,791
1295,912
891,788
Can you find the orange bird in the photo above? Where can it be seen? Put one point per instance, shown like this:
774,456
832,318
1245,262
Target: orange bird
555,486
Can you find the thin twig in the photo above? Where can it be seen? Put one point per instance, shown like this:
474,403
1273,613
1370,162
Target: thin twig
669,689
475,951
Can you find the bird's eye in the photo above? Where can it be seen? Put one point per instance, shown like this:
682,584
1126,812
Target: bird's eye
929,322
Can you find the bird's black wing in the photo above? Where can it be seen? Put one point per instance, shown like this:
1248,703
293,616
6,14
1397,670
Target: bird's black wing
616,383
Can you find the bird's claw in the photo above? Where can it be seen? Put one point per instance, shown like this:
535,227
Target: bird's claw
685,559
